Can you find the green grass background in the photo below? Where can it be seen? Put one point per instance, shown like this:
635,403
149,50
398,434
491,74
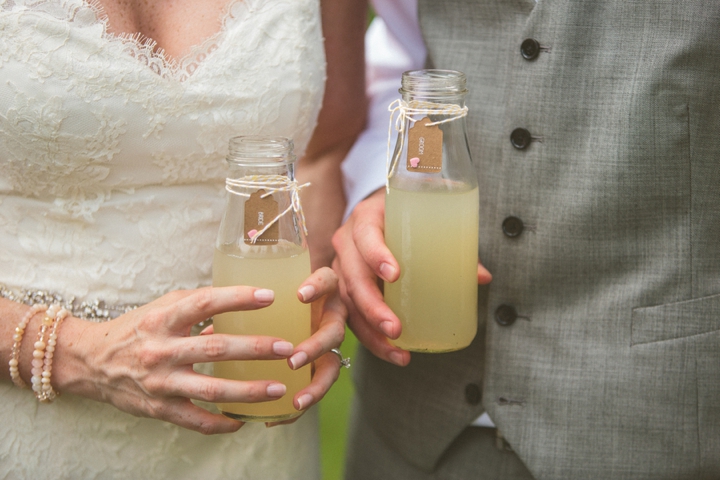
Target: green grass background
334,410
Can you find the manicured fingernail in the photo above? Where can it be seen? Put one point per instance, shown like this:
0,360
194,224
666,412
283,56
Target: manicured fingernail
263,295
387,271
276,390
307,292
304,401
396,358
298,360
387,329
282,348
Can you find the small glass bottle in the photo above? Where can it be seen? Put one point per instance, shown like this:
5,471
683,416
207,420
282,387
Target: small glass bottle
253,250
431,216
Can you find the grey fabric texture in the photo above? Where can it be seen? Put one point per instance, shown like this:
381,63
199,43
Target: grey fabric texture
613,369
475,454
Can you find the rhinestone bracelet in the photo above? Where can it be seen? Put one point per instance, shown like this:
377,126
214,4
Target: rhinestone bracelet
95,311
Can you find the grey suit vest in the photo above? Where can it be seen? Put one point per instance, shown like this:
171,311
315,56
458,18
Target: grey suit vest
599,347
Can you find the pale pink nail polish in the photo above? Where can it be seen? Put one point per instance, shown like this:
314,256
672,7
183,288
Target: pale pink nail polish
298,360
304,401
282,348
263,295
276,390
307,292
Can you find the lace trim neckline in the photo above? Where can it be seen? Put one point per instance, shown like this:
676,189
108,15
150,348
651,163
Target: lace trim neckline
137,45
145,50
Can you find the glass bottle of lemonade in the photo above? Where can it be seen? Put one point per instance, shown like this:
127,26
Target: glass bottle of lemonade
431,216
261,243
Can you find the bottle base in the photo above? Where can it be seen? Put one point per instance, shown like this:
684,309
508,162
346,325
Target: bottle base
430,348
262,418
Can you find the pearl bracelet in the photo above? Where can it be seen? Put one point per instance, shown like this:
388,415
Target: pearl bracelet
17,343
44,352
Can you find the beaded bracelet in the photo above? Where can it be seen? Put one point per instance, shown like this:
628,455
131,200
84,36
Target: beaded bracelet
49,393
43,354
17,343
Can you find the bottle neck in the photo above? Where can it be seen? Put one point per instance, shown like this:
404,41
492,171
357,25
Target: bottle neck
239,170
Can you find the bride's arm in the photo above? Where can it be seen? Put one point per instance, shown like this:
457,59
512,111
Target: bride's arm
141,362
341,120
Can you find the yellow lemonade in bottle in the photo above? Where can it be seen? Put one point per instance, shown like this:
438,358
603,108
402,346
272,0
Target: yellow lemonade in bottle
273,267
434,237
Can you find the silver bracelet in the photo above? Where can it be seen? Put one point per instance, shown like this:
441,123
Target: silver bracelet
94,311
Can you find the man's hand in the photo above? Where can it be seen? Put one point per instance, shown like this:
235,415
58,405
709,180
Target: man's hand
362,261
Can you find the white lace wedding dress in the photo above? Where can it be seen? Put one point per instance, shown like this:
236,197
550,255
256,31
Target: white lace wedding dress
112,187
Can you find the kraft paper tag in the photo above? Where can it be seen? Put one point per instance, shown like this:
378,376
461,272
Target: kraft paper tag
424,147
258,213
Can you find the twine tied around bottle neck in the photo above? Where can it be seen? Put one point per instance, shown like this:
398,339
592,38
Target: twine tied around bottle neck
402,112
271,184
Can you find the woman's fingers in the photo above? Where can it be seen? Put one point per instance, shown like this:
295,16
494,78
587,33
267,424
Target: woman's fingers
323,281
220,347
190,384
330,334
203,303
327,370
184,413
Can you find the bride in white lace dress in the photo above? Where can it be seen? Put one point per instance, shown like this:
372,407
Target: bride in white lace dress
115,117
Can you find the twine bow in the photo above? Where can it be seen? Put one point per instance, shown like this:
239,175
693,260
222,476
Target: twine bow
405,111
272,184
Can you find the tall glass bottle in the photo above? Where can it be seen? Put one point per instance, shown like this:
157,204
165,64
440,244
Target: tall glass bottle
251,250
431,216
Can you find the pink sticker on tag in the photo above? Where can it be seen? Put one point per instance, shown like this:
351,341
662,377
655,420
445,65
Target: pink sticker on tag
252,233
414,162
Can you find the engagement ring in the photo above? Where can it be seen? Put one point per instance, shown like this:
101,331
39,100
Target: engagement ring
344,362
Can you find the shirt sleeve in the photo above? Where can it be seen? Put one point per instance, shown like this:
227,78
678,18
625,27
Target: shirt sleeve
393,45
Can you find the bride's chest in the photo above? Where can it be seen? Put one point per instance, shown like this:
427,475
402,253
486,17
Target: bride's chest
79,103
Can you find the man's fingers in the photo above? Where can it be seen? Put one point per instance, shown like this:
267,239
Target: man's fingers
377,343
367,230
484,276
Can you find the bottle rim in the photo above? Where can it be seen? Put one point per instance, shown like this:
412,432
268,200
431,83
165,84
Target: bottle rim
259,150
434,83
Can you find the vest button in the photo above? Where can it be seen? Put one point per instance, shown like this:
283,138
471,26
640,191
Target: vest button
512,227
505,315
473,393
520,138
530,49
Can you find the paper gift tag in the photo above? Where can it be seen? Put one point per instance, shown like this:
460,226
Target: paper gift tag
424,147
258,213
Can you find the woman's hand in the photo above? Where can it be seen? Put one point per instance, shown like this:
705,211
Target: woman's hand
328,325
142,362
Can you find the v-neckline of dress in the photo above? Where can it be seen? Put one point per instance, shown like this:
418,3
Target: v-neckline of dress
144,49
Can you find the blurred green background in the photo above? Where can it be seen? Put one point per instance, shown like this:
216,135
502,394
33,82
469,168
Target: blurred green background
334,410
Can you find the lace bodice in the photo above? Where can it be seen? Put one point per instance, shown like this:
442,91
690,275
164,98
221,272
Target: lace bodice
112,188
111,154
